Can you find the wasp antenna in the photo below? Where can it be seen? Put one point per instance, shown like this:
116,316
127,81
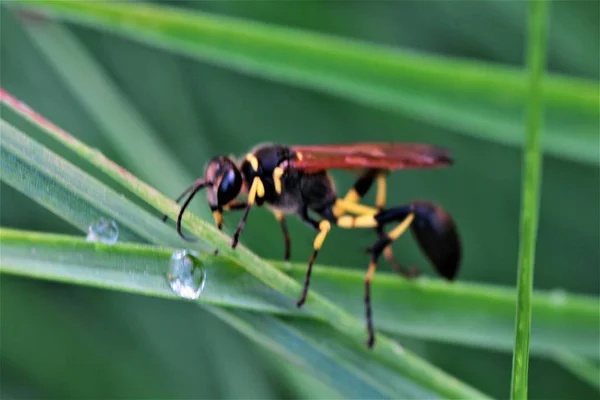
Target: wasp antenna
195,188
196,183
436,233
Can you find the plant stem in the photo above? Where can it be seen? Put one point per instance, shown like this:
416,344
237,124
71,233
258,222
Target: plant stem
536,54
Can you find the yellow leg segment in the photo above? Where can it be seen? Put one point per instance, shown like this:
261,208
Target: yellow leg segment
362,221
257,189
381,191
355,208
352,197
324,228
218,219
401,228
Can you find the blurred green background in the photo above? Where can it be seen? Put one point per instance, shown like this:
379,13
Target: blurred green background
61,341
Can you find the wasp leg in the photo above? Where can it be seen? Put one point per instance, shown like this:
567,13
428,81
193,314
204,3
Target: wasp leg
435,232
323,227
286,236
359,190
218,214
368,308
433,229
350,204
406,217
256,190
345,221
408,272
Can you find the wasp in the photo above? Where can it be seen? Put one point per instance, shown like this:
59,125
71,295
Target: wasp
296,180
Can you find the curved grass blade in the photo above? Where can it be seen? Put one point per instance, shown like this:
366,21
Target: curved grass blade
399,361
83,75
584,369
55,183
482,100
49,258
104,266
471,315
532,172
330,347
386,351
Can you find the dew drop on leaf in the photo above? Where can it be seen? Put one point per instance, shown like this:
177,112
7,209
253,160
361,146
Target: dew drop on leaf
186,274
103,230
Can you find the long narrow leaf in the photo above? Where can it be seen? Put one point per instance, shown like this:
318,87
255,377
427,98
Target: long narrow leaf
481,100
580,367
51,260
471,315
386,351
84,76
395,358
104,266
532,171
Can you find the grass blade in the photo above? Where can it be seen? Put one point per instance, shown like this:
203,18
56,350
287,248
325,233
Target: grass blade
387,352
100,265
478,99
584,369
471,315
83,76
532,171
74,260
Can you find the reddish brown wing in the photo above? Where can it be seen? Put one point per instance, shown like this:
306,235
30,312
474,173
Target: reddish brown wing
386,156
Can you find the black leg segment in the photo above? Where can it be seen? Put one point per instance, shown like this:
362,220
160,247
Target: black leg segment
434,231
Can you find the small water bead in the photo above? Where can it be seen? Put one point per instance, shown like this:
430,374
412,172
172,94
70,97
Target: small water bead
104,231
186,274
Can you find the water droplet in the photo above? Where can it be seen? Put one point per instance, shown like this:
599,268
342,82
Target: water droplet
103,230
558,297
186,274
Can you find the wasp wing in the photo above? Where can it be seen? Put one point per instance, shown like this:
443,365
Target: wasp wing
358,156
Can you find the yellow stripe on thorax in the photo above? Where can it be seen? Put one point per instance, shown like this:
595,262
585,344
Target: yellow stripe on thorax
277,174
257,189
251,158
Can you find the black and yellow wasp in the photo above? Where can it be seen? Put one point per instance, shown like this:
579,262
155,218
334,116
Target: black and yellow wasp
295,180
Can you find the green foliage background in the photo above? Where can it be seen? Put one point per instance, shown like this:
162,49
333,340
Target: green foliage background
70,342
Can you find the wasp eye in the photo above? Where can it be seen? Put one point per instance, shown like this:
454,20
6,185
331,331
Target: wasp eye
230,186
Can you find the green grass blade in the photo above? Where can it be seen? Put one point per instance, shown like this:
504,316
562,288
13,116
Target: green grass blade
133,269
74,260
479,99
387,351
126,128
319,336
584,369
532,171
470,315
56,183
